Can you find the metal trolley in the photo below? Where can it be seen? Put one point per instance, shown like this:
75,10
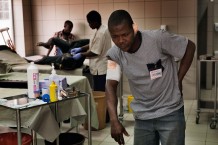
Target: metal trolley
18,112
210,103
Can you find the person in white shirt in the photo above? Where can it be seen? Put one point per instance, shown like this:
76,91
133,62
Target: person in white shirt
96,51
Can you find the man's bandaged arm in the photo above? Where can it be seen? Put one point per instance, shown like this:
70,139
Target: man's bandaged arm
113,71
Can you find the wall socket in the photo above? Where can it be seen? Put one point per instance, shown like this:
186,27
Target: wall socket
163,27
216,26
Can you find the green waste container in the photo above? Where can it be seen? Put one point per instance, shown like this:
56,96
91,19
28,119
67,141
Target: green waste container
69,139
10,138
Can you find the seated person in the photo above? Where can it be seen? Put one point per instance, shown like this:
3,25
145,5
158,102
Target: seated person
64,61
65,37
64,46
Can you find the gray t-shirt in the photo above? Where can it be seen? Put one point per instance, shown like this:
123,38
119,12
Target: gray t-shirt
160,96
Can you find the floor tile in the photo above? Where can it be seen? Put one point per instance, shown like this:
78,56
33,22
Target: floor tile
212,137
211,143
196,134
194,143
93,142
197,128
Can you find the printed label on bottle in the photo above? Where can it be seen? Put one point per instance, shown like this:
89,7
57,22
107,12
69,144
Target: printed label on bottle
35,81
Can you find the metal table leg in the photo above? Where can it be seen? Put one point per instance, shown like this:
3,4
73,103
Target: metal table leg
19,136
198,91
89,119
214,119
215,98
56,116
34,135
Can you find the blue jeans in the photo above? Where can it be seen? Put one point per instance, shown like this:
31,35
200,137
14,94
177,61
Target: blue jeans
66,46
169,130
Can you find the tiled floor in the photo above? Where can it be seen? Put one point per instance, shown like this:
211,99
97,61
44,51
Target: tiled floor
196,134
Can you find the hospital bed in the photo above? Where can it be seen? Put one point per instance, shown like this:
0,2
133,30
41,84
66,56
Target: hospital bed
15,63
19,64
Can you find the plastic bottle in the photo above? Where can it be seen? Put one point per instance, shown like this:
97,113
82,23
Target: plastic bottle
53,92
33,80
54,77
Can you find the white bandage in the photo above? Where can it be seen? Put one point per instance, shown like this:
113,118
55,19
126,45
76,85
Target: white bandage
113,71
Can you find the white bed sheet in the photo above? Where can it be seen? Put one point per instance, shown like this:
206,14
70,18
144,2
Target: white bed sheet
46,69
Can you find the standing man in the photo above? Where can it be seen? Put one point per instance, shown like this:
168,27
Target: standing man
147,59
96,50
64,38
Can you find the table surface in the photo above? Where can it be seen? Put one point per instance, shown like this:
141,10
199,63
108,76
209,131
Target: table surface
31,120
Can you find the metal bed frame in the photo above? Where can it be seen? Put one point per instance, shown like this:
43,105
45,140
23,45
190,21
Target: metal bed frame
209,104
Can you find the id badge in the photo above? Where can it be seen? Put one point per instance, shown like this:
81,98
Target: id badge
157,73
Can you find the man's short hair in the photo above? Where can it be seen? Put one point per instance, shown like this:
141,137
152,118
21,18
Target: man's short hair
69,23
93,16
119,17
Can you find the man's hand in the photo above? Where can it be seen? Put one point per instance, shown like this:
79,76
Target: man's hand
117,131
75,50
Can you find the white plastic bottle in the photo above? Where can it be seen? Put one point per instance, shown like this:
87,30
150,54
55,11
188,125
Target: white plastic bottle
33,80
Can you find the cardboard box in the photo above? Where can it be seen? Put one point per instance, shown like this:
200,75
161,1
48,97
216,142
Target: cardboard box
45,82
